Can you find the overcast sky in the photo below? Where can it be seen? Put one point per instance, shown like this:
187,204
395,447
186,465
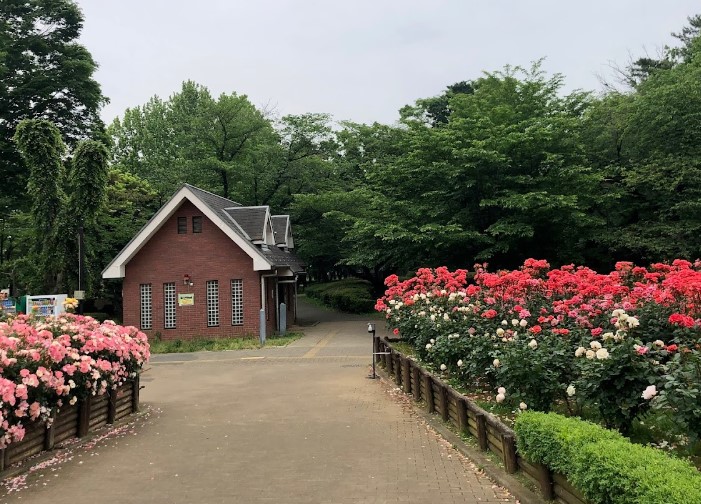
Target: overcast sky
359,60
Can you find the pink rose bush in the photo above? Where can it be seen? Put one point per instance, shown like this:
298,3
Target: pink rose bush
48,364
566,337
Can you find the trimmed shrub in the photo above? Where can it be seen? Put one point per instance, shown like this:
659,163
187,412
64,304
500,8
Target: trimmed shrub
351,295
620,472
606,467
554,440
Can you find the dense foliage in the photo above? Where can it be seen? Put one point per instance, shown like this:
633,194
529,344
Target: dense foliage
607,346
44,73
351,295
606,467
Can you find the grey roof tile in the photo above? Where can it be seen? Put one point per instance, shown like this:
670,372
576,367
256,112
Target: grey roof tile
251,220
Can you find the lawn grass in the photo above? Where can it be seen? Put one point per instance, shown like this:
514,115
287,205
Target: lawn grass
218,345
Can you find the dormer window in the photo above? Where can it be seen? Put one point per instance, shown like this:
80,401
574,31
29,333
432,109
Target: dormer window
182,225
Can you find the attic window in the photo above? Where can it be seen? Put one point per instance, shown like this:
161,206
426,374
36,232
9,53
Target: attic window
197,224
182,225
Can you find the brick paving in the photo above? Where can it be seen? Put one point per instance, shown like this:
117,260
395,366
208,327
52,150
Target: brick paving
300,424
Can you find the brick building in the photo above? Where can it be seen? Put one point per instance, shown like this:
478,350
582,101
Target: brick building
207,266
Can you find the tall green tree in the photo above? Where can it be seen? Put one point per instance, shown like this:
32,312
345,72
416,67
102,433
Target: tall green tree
44,73
296,161
40,144
191,137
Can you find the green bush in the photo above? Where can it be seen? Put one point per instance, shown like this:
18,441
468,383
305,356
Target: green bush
620,472
606,467
554,440
351,295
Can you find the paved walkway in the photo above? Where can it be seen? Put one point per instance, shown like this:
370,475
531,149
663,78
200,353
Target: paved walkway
300,424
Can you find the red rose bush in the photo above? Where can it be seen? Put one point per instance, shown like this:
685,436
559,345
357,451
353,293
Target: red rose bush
611,346
51,363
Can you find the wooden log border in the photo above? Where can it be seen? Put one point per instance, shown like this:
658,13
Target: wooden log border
491,434
73,421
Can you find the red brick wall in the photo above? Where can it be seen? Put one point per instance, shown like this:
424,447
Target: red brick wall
209,255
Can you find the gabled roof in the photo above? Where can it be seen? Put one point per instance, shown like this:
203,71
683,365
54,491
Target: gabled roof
243,225
281,224
251,219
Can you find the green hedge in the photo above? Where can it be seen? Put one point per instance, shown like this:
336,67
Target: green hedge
351,295
606,467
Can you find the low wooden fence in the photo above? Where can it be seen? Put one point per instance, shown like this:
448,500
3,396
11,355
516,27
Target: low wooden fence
74,421
490,433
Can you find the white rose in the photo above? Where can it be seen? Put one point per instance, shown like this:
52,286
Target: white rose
500,332
571,390
590,354
607,336
533,344
460,363
523,406
514,322
500,398
523,323
658,343
580,351
633,322
602,353
501,390
649,392
595,345
428,346
446,317
443,367
496,363
504,322
433,342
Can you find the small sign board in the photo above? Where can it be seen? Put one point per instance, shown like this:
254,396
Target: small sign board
186,299
79,294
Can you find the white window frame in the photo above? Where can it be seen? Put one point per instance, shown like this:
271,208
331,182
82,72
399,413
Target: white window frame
146,306
169,314
212,303
236,302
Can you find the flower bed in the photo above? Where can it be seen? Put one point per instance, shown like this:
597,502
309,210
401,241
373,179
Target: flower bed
47,366
611,347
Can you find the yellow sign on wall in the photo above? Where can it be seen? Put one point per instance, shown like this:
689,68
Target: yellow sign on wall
186,299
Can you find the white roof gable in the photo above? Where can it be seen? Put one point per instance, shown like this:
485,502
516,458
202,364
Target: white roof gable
117,268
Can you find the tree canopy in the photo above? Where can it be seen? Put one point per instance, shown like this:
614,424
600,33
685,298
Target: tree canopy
44,74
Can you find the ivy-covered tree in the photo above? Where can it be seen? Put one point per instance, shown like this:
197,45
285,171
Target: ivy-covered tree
40,144
62,202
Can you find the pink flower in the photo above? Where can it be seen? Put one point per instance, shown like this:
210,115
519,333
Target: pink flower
649,392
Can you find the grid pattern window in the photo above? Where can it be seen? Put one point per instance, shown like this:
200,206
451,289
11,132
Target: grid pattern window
182,225
146,308
212,303
169,305
197,224
237,302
